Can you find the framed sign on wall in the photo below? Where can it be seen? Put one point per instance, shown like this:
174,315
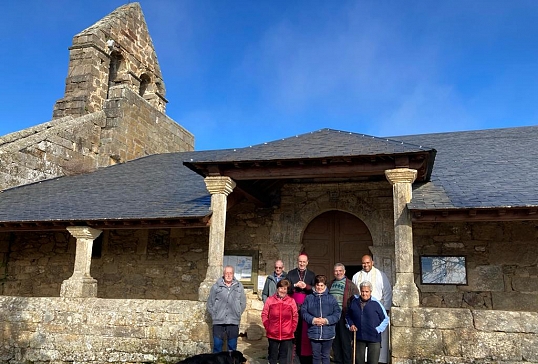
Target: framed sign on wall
245,263
443,269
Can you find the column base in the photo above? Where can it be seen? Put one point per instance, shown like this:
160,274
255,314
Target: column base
405,291
79,287
204,289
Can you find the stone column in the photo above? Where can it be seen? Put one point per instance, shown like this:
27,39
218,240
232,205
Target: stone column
405,291
81,284
219,187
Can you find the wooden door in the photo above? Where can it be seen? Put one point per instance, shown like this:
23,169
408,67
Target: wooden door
336,237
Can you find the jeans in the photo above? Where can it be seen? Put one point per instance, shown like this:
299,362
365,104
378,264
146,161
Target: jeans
220,332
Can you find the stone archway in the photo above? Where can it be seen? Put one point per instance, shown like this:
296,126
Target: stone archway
336,237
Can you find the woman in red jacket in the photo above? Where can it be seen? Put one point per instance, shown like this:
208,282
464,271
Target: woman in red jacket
280,317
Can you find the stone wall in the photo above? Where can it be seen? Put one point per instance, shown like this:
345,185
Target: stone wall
301,203
134,128
94,330
59,147
502,264
137,264
433,335
128,128
166,264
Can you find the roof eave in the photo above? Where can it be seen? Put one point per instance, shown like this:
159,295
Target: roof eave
107,224
470,214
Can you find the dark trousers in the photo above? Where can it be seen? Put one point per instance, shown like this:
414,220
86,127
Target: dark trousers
373,352
280,351
342,349
321,351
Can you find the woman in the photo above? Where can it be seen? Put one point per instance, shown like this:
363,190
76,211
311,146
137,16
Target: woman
321,312
367,316
280,317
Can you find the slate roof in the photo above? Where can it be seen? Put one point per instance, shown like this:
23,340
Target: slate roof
153,187
317,144
473,169
479,169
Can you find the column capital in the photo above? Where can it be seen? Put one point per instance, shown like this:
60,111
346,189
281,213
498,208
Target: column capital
219,185
84,232
401,175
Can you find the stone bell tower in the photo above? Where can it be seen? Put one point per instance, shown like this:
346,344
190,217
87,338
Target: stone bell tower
112,111
117,50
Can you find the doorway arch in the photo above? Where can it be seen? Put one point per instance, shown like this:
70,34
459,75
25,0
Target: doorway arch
336,237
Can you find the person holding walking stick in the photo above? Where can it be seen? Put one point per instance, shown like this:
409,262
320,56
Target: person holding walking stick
367,318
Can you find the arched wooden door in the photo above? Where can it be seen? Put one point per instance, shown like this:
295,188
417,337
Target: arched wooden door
336,237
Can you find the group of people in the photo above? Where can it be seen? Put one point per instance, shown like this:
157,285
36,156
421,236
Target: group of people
306,315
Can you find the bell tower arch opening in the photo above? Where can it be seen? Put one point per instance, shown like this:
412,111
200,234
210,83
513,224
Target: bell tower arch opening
336,237
114,68
144,83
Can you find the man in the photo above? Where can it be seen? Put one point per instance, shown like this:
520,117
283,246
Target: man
343,289
269,288
226,303
302,281
382,291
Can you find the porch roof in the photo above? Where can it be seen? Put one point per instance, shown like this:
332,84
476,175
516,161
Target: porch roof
320,156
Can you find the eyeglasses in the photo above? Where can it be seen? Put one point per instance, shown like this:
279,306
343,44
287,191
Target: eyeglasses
279,267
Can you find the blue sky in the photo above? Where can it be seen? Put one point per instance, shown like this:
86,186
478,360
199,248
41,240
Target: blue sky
239,73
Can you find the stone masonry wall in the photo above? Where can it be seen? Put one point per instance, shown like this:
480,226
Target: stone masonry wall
433,335
128,128
95,330
301,203
62,146
502,264
134,128
137,264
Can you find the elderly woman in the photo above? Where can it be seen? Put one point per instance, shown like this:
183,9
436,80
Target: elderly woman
368,318
280,317
321,312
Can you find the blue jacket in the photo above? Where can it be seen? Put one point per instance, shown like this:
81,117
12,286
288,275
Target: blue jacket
321,305
371,320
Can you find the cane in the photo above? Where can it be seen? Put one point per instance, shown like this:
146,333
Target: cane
354,345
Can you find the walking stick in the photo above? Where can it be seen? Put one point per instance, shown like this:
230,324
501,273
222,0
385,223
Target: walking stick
354,345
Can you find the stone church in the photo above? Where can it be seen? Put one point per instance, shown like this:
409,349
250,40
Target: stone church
113,228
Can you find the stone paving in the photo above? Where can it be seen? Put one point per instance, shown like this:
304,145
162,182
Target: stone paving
254,350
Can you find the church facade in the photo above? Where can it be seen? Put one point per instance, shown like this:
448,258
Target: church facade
109,252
